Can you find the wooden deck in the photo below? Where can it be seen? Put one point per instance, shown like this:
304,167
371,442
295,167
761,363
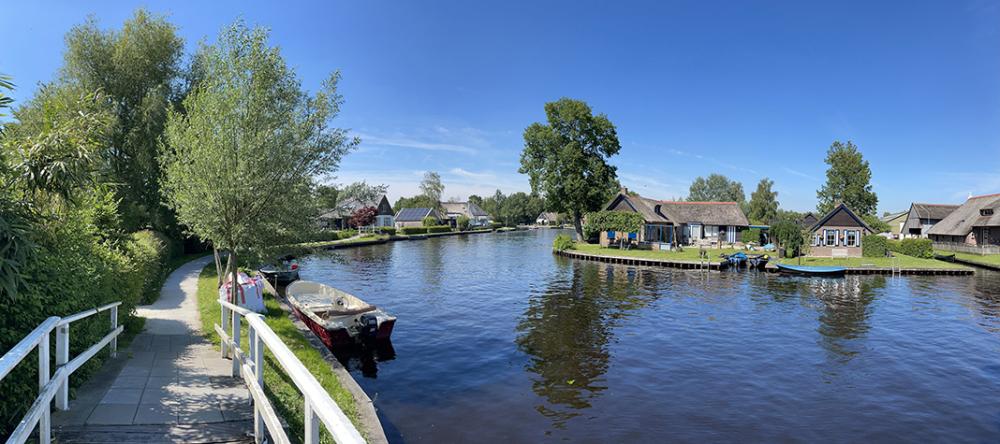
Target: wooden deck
625,260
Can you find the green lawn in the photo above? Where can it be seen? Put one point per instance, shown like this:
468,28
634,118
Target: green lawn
989,259
344,241
285,397
879,262
690,254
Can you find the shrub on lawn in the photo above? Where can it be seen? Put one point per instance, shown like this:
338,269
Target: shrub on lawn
874,245
751,235
387,230
563,242
922,248
429,221
439,229
462,222
413,230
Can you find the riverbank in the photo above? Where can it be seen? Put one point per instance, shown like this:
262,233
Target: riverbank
377,239
989,261
689,259
287,400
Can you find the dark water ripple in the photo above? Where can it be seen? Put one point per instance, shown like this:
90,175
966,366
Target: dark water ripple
499,340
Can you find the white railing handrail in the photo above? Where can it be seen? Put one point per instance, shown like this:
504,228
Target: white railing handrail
21,350
54,385
318,403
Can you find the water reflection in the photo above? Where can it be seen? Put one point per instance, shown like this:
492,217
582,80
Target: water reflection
843,320
566,331
365,357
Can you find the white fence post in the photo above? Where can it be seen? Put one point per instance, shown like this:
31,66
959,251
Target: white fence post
114,325
45,422
257,349
312,423
223,323
62,357
236,343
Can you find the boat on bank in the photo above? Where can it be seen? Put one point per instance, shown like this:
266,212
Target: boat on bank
758,261
283,271
338,318
736,259
811,270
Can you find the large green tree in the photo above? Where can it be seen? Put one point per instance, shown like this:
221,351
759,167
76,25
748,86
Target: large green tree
716,188
241,164
566,159
432,188
763,206
848,180
135,69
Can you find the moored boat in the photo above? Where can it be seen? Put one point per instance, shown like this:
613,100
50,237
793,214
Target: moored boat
736,259
758,261
284,271
336,317
811,270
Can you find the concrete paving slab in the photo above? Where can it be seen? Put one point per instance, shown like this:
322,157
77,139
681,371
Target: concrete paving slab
132,382
113,414
121,396
158,413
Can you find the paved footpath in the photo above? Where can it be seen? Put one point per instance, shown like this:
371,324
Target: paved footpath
169,385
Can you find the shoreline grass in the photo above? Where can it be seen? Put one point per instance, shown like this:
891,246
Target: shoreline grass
690,254
285,397
992,260
902,261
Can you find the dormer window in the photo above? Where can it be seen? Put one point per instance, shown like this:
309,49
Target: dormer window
986,212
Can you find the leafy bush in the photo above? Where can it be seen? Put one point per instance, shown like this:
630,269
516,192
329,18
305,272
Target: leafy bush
922,248
874,245
413,230
616,221
563,242
439,229
462,222
387,230
150,252
789,236
751,235
362,217
495,225
429,221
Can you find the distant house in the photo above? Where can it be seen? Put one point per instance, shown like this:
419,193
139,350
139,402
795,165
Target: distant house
838,234
923,216
339,218
414,217
895,222
477,216
808,220
975,223
683,223
546,218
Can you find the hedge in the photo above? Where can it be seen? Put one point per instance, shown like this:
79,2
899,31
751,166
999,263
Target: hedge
562,242
619,221
413,230
387,230
151,252
874,245
439,229
922,248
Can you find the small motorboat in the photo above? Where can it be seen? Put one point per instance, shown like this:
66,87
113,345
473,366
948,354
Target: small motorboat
811,270
336,317
945,257
736,259
282,272
758,261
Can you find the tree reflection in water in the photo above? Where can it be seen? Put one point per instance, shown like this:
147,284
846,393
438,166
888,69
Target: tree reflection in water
566,331
846,308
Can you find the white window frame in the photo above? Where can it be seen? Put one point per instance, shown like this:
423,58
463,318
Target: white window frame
847,238
826,238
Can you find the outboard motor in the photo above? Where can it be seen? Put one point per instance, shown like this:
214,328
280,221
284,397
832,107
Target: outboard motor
369,326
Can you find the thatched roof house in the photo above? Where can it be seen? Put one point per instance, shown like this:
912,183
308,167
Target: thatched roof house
923,216
338,217
414,217
976,222
547,218
685,222
477,216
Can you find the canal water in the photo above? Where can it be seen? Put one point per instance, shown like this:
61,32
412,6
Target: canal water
498,340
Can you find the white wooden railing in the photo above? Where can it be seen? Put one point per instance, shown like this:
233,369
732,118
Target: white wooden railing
54,385
319,406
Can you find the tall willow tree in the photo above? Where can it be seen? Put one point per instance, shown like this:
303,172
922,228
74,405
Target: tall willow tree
135,69
243,160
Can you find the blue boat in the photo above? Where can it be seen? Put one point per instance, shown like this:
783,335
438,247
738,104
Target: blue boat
736,259
812,270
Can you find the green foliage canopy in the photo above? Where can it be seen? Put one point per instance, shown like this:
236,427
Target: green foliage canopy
239,166
620,221
566,160
763,206
716,188
848,180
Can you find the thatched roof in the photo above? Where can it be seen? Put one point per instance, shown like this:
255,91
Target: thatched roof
658,211
547,216
469,209
921,212
968,215
889,217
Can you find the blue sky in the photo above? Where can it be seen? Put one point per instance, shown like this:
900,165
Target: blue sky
746,89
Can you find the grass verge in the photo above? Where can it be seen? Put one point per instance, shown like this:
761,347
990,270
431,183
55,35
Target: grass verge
355,240
903,261
989,259
690,254
285,397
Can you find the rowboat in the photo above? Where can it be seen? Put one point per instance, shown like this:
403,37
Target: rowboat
736,259
812,270
758,261
283,271
338,318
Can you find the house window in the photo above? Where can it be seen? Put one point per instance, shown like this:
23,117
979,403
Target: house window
851,238
986,212
830,238
711,231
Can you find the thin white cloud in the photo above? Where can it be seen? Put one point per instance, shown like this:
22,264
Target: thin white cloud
472,175
799,173
713,160
377,141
